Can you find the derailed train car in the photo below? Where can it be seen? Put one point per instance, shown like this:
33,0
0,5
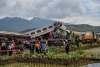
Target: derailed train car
53,31
86,37
4,35
58,31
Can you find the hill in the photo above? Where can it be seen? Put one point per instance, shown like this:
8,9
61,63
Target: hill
83,28
17,24
80,27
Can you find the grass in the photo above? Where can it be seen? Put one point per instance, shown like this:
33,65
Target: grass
31,65
53,52
95,52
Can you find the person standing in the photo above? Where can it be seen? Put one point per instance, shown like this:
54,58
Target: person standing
3,47
21,47
67,47
38,47
77,41
43,45
10,47
31,48
14,45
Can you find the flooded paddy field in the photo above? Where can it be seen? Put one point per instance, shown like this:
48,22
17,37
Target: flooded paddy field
47,62
92,65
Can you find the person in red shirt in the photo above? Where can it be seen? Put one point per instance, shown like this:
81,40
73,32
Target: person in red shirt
13,44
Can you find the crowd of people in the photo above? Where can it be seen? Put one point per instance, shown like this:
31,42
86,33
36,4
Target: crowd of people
34,45
8,46
38,46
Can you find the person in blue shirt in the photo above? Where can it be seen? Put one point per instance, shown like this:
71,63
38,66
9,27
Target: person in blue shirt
43,45
31,48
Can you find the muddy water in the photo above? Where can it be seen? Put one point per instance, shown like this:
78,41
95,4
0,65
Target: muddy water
92,65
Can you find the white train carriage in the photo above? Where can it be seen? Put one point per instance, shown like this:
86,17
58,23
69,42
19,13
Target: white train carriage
44,30
40,31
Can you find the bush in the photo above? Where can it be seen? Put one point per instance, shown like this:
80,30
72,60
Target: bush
72,40
80,44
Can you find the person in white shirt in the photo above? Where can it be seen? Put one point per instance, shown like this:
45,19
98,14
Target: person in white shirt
10,47
3,47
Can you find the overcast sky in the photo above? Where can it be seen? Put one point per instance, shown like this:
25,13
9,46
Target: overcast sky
69,11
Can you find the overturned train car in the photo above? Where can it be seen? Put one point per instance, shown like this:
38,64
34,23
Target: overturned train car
53,31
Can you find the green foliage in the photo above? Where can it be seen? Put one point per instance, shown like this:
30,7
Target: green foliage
55,49
78,54
20,64
72,40
80,44
27,30
83,27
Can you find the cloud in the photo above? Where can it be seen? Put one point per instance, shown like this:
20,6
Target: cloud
74,11
95,21
63,8
92,7
41,8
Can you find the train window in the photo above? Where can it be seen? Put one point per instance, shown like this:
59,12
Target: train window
44,29
50,27
32,33
27,34
38,31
